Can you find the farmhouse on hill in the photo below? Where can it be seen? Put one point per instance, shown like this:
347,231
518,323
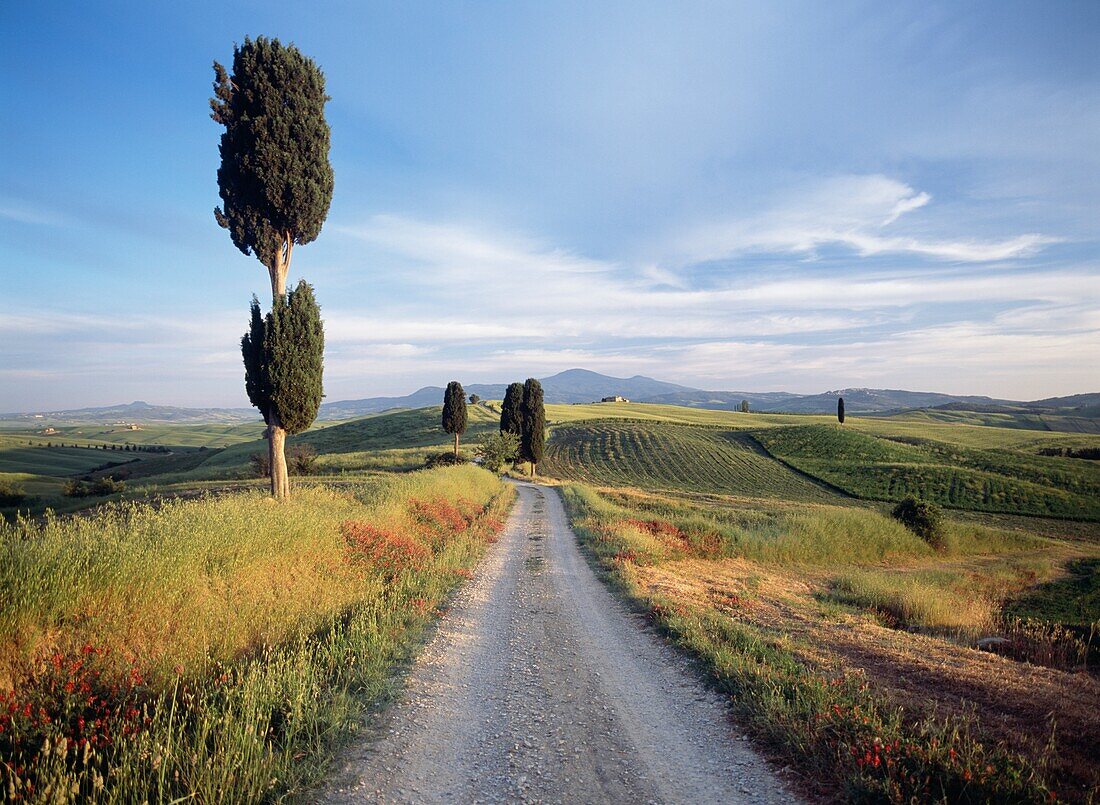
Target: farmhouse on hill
615,399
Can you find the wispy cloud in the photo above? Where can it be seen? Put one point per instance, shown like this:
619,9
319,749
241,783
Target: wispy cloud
467,299
25,213
857,212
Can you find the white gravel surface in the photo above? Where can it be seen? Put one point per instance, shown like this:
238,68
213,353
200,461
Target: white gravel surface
540,686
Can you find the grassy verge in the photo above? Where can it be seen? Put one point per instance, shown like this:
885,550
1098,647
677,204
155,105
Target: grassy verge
219,649
853,706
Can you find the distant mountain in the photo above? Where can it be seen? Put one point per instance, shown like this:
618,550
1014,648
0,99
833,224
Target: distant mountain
1076,402
137,411
583,386
725,400
570,386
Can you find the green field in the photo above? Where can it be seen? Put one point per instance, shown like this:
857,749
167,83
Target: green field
994,479
958,465
201,454
656,455
1025,420
661,447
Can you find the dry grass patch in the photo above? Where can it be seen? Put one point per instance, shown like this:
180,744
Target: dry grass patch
837,687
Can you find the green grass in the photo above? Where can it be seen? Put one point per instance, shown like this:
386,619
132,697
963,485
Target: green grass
58,462
1072,600
1021,419
402,429
175,436
227,644
995,480
655,455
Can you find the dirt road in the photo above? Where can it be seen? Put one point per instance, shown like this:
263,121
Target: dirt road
540,686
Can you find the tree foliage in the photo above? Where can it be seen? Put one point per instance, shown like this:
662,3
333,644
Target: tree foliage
534,422
744,406
454,408
275,178
284,359
475,399
257,384
511,410
840,410
498,449
454,411
923,519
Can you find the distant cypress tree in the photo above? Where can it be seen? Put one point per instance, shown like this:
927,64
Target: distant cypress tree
511,410
276,183
840,410
744,406
454,411
533,443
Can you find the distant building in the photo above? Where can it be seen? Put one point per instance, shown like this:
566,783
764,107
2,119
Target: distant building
615,399
48,431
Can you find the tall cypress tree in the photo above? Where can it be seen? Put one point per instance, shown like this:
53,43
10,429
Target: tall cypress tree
454,411
533,443
275,183
840,410
511,410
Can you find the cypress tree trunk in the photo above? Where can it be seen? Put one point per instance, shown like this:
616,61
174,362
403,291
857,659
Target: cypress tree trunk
456,445
276,434
280,267
276,452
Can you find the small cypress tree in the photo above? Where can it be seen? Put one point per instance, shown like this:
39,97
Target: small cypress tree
511,410
744,406
454,411
534,423
840,410
284,367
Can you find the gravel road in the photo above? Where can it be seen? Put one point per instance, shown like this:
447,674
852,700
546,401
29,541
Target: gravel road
539,686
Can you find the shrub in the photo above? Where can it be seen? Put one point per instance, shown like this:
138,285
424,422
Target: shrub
923,519
497,450
100,487
445,460
303,460
11,493
261,465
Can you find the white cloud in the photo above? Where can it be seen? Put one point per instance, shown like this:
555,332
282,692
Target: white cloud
851,211
464,300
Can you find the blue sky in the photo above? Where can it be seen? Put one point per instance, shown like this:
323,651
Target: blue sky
792,196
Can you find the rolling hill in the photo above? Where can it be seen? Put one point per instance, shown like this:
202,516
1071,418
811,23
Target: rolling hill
576,386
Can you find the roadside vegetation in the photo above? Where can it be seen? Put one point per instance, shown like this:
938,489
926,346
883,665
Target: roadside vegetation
852,647
197,650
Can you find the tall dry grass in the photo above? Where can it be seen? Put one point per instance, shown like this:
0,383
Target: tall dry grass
216,649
